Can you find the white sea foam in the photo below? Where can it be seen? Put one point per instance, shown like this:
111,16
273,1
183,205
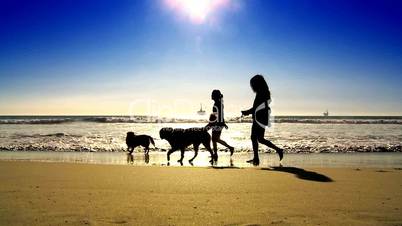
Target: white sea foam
86,136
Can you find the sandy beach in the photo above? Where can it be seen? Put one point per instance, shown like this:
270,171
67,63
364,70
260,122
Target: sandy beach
33,193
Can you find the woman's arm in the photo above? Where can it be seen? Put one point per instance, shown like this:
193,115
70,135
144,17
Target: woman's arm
247,112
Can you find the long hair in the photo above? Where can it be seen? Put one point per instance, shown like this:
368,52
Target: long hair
216,94
260,86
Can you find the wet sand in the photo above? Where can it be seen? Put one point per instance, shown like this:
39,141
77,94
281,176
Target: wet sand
34,193
310,160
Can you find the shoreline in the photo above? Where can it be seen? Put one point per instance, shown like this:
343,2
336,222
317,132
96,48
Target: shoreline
314,160
91,194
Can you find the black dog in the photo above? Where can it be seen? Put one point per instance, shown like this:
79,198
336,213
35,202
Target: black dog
182,138
133,141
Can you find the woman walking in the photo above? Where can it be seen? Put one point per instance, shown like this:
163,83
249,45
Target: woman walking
260,113
217,123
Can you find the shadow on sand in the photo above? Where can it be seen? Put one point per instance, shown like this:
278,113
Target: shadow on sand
302,174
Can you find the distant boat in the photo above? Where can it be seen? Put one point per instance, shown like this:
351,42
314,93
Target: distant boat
326,113
201,111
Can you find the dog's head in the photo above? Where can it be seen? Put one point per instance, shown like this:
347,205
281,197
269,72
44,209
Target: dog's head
130,135
166,133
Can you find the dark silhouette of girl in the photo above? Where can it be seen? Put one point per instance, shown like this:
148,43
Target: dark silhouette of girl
217,122
260,112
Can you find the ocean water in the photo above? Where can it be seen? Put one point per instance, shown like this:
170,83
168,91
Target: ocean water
107,133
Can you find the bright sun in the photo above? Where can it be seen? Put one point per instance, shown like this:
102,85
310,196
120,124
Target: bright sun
196,10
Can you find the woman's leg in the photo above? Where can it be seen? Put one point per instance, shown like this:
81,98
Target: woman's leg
254,141
255,131
215,146
224,143
215,137
256,159
268,143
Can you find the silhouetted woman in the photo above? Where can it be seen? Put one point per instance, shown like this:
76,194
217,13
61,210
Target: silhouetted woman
260,112
217,122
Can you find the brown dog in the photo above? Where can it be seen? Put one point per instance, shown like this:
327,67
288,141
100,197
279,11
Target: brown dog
133,141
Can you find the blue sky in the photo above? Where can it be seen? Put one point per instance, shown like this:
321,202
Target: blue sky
143,57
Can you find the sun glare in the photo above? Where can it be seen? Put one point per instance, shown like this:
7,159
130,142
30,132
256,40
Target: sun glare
197,10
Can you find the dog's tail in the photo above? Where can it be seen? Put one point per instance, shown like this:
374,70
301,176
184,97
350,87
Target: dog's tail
152,141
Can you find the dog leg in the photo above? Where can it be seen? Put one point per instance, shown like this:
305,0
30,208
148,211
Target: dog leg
195,154
181,156
130,150
169,153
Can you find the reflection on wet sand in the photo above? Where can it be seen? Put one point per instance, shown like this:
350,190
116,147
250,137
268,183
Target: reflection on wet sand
355,160
146,158
130,158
